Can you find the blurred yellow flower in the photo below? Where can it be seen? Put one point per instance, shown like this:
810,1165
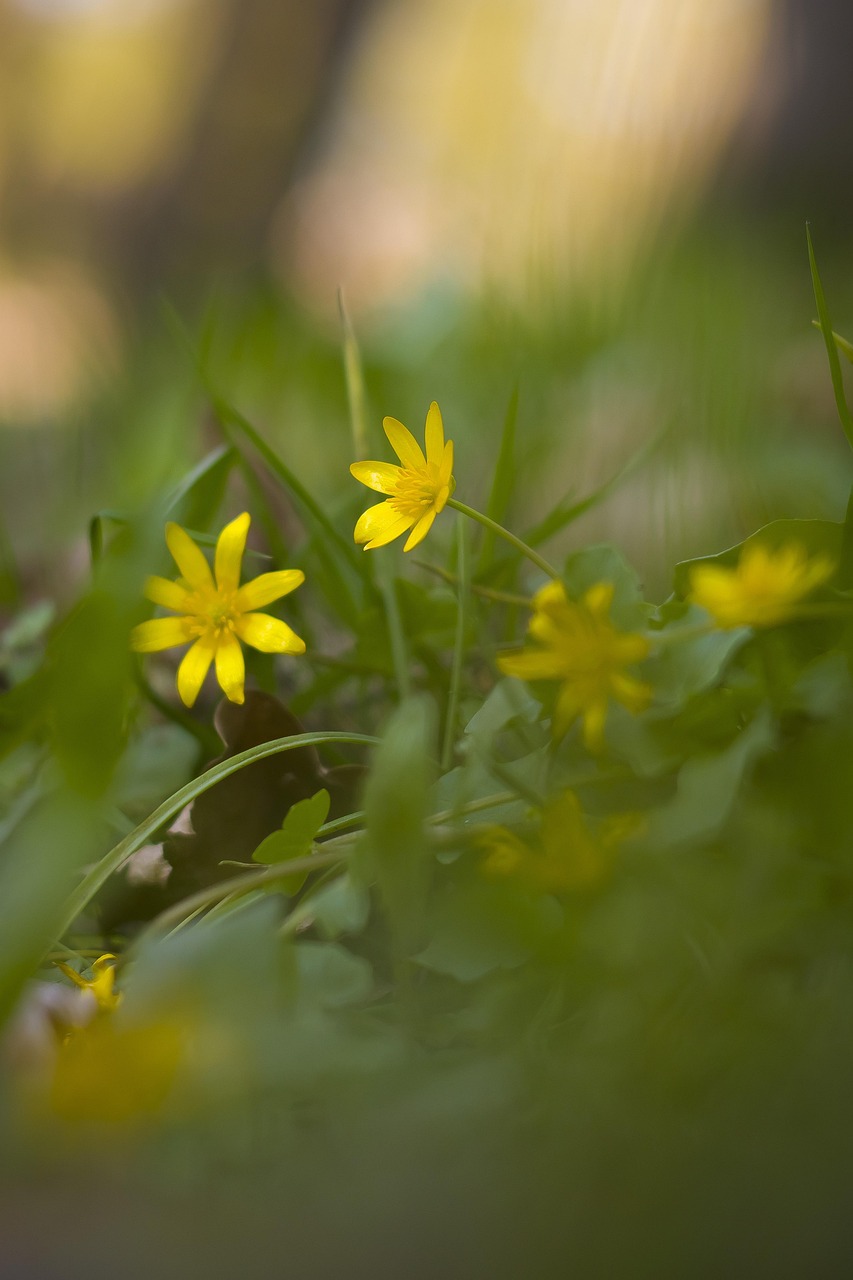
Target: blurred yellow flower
417,491
568,856
218,614
110,1074
101,984
763,590
577,644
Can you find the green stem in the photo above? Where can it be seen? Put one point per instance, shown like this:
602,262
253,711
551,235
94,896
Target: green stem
494,527
396,633
488,593
458,649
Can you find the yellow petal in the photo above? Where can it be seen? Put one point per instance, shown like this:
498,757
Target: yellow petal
421,529
189,558
380,524
594,717
441,499
434,435
445,470
230,667
160,633
266,588
404,444
268,634
599,599
171,595
380,476
532,664
566,710
194,668
229,552
633,694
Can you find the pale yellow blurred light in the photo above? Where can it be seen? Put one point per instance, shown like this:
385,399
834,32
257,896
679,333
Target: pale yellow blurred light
58,338
108,103
530,144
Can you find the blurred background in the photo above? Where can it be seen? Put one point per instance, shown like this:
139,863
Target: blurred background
600,200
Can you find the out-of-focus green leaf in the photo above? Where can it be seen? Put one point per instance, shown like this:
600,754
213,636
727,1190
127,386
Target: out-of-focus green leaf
603,563
196,499
818,537
339,906
683,668
330,977
708,786
395,804
479,928
829,342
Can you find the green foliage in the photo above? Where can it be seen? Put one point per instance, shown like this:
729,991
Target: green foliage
526,931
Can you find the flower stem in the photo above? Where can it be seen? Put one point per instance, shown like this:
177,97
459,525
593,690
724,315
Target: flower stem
494,527
458,648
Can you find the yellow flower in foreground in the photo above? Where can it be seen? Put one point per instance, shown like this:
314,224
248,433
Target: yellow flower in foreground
417,491
577,644
108,1074
101,984
568,855
763,590
218,614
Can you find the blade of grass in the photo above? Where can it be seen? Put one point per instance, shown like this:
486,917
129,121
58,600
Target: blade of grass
356,399
502,480
829,342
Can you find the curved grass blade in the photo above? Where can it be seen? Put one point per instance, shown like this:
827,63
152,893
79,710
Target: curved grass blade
829,342
111,861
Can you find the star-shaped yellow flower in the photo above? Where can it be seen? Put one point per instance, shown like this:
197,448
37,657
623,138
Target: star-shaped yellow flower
568,854
577,644
218,614
763,589
417,491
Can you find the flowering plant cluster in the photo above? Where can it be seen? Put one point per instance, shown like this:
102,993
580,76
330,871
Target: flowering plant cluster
496,807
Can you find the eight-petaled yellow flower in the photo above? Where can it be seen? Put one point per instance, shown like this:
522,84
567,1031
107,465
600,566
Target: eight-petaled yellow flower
763,589
101,985
215,612
417,491
568,854
577,644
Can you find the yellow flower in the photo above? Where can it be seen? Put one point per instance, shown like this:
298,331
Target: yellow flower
101,984
763,590
417,491
218,614
577,644
566,857
108,1074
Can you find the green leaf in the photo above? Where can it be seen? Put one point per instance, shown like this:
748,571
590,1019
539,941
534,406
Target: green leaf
339,906
396,806
603,563
708,786
829,342
816,536
296,837
195,500
686,667
483,927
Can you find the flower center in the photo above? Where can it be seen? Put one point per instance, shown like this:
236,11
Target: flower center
416,491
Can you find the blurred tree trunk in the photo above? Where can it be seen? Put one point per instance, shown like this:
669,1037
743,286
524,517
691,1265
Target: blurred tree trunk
795,149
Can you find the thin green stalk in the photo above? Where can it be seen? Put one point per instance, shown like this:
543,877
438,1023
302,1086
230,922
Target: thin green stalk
488,593
487,523
458,648
396,632
79,899
829,342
